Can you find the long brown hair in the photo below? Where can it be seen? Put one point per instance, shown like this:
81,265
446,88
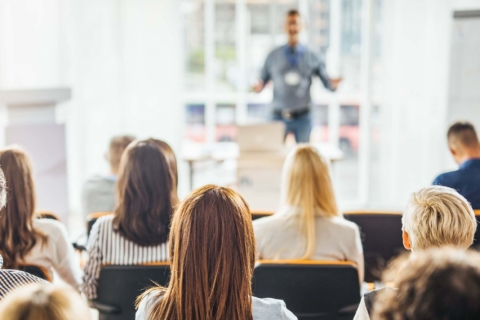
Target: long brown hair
17,235
147,192
212,256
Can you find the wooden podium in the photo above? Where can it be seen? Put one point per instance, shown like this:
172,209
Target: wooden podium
28,118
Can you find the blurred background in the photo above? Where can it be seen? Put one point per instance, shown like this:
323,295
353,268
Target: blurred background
75,73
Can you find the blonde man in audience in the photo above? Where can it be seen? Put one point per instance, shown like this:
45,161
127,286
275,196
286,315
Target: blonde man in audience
138,231
435,217
24,239
212,257
309,226
439,284
36,302
11,279
98,193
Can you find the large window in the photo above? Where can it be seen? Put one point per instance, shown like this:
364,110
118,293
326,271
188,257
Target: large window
226,44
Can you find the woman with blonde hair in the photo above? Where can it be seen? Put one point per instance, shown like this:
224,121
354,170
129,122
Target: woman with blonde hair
138,231
37,302
24,239
308,226
212,256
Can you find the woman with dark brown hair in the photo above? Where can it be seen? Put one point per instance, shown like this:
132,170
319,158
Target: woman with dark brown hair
25,239
212,256
138,231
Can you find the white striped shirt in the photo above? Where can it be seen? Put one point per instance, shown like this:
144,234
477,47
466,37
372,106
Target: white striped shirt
12,279
107,247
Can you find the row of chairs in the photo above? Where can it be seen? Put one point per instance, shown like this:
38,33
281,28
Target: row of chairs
313,290
381,234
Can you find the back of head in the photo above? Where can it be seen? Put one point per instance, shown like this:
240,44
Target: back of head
38,302
439,216
462,135
212,253
118,144
306,184
147,192
17,235
441,284
3,190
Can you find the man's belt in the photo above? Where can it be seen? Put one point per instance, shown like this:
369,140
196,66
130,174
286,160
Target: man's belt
290,114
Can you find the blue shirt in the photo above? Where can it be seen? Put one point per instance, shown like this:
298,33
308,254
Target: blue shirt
302,62
466,180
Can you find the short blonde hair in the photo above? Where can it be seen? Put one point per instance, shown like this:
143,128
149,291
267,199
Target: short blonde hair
38,302
306,184
439,216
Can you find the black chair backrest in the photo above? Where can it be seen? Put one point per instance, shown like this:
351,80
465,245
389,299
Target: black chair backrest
311,290
119,286
382,240
37,271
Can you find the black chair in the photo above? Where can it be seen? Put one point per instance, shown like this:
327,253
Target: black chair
381,237
37,271
119,287
312,290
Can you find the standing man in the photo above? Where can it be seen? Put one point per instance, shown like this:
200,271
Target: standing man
291,68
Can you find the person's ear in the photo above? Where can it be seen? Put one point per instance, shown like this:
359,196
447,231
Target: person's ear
453,151
406,240
106,156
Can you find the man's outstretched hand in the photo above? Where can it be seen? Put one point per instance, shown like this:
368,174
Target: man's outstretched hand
335,82
258,86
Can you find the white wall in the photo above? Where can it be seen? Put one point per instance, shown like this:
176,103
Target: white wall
122,59
414,98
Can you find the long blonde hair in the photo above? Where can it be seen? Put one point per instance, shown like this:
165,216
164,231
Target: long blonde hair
306,184
41,302
17,235
212,256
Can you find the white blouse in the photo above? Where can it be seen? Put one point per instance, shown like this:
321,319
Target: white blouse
262,309
108,247
57,254
279,237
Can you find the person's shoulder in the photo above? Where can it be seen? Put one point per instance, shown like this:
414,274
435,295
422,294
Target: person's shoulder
343,223
17,276
269,222
147,302
105,221
446,179
276,51
49,226
99,181
268,308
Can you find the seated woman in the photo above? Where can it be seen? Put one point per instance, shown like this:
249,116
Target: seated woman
37,302
212,256
137,233
309,225
25,239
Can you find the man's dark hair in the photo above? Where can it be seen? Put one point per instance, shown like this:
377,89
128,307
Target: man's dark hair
293,12
464,132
